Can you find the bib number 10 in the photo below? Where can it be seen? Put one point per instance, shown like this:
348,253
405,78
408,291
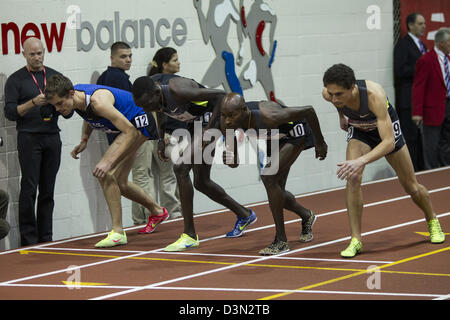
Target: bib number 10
297,130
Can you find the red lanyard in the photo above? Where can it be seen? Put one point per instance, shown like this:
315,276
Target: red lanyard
35,81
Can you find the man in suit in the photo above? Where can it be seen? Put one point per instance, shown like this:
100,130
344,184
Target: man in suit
431,100
407,51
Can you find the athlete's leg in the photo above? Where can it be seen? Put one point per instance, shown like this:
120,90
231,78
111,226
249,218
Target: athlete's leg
274,184
129,189
115,184
401,162
204,184
353,191
111,188
186,190
290,203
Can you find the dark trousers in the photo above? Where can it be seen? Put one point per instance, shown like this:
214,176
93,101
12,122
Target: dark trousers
437,143
111,137
4,225
39,158
412,138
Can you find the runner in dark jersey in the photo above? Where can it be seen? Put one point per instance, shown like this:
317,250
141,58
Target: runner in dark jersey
113,110
297,129
373,132
188,101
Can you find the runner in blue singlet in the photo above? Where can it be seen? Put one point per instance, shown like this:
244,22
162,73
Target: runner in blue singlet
112,110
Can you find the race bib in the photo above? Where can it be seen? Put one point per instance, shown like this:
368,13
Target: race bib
141,121
397,129
297,131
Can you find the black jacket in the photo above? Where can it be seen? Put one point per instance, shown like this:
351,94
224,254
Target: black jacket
20,88
406,54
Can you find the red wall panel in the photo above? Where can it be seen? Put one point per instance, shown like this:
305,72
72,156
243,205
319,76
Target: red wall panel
426,8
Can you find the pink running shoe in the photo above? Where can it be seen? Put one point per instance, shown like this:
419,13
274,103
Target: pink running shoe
153,221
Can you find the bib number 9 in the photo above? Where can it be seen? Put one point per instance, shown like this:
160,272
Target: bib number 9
397,129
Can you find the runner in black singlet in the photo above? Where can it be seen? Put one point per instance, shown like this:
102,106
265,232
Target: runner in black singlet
297,129
373,132
186,100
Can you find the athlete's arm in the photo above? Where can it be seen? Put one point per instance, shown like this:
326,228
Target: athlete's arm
188,90
230,154
162,120
102,102
279,115
85,134
325,95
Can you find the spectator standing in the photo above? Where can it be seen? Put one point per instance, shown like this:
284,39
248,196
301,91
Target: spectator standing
151,168
406,53
38,143
431,101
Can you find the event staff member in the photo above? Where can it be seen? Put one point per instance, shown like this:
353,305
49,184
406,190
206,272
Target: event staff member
38,143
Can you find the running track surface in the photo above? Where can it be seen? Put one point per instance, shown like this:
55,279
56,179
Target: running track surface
398,261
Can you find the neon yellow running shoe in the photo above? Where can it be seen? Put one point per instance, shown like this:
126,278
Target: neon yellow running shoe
183,243
436,234
353,249
113,239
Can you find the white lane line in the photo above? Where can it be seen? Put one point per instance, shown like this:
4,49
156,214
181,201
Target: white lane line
303,291
221,236
217,237
75,267
277,257
200,274
369,293
225,210
220,255
445,297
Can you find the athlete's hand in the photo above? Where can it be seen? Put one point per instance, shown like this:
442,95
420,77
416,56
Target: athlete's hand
78,149
228,158
102,168
343,123
321,150
349,168
162,150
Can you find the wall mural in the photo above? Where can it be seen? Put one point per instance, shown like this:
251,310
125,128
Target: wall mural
250,25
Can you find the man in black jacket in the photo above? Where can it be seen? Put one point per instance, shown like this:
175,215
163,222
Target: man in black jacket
38,142
407,51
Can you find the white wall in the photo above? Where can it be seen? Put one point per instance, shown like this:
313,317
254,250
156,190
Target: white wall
312,35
